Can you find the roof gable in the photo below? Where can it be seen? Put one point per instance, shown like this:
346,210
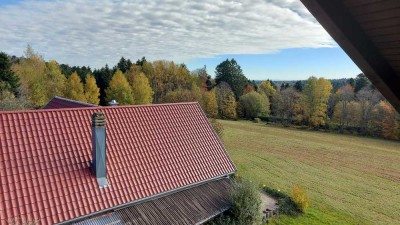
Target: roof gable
44,165
61,103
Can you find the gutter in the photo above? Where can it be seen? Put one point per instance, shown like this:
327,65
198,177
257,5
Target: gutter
135,202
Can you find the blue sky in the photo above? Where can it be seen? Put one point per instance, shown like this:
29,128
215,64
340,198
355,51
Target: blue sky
270,39
9,2
288,64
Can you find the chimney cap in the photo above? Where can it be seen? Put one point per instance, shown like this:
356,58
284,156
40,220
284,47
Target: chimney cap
113,103
98,119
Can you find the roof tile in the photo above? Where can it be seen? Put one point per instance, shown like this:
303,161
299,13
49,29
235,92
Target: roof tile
151,149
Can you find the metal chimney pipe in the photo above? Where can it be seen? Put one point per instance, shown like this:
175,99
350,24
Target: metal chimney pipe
113,103
99,165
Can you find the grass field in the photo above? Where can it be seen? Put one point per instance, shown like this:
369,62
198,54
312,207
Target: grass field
349,179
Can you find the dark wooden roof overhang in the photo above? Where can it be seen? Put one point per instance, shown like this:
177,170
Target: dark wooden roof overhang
369,32
194,205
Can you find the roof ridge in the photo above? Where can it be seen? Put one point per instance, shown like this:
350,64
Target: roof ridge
94,108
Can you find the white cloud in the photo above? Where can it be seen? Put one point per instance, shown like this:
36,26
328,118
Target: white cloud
96,32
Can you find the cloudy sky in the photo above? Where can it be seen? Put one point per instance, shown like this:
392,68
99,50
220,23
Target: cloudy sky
275,39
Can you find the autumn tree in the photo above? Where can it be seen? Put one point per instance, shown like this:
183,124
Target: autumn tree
120,90
9,81
230,72
209,104
353,113
367,98
74,88
249,88
384,121
55,80
141,89
179,95
286,104
343,96
267,89
183,95
316,94
92,91
166,76
203,79
226,101
32,73
253,105
133,71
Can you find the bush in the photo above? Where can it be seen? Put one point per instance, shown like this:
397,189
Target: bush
300,197
222,220
257,120
288,207
245,206
246,202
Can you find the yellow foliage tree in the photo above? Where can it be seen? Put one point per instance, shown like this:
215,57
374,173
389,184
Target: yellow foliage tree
74,88
92,91
266,88
132,72
227,104
209,104
55,80
141,89
32,73
166,76
316,95
183,95
120,90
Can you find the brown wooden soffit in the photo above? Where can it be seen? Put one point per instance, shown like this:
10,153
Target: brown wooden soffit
191,206
369,32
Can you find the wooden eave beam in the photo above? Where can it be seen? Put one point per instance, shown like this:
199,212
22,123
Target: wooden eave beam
335,17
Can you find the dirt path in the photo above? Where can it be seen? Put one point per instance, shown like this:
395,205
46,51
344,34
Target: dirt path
267,202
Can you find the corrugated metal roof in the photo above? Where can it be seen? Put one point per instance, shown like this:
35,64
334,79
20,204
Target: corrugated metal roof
61,103
191,206
45,154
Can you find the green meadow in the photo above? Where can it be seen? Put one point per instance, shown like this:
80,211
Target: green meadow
349,179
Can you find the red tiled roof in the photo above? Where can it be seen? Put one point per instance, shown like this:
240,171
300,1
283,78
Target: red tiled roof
61,103
45,154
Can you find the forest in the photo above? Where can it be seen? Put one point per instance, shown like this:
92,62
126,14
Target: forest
353,106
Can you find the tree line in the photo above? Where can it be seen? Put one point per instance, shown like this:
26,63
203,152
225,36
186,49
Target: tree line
353,106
